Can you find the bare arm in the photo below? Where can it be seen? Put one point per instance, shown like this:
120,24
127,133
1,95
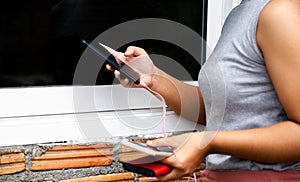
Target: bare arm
279,143
184,99
278,36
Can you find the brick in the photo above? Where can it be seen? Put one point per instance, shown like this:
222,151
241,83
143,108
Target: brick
12,168
63,154
105,178
75,147
12,158
70,163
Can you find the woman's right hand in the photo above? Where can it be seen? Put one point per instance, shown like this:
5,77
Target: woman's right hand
137,59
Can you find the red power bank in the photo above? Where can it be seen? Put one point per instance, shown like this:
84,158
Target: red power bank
150,169
148,165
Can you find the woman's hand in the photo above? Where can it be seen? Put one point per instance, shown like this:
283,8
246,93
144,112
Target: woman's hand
189,152
184,99
137,59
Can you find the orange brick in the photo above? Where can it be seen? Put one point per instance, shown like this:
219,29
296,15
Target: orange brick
75,147
12,168
63,154
105,178
70,163
12,158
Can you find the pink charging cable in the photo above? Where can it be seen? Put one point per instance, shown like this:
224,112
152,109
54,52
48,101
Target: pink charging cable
143,84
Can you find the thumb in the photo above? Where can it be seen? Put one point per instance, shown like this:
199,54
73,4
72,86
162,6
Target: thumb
120,58
174,141
159,142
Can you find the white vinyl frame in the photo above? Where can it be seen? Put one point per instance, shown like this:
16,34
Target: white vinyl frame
217,13
48,114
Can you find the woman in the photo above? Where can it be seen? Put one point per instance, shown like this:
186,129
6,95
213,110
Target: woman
259,138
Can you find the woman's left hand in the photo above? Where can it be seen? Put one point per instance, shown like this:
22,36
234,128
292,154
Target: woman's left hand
189,152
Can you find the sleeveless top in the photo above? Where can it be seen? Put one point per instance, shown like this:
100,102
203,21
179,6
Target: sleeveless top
237,90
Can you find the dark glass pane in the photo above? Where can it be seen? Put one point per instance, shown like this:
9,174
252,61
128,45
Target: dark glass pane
40,40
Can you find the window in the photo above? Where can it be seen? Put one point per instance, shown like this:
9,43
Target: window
40,48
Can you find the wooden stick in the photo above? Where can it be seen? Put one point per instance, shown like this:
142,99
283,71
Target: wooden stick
70,163
63,154
12,158
12,168
104,178
75,147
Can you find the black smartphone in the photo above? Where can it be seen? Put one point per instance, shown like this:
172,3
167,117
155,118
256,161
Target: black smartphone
125,71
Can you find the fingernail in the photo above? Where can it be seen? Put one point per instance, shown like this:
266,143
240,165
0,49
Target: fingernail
149,142
128,51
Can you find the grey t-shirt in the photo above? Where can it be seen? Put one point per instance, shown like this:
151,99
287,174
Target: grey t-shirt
237,90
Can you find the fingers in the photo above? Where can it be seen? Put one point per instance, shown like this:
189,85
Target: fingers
124,81
179,170
133,51
116,72
108,67
174,141
159,142
176,171
120,58
174,174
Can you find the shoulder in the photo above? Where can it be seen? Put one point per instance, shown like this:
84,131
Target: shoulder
279,19
278,7
281,12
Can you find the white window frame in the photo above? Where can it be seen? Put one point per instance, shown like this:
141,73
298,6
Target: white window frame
49,114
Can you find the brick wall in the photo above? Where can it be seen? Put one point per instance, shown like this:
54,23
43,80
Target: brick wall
66,163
